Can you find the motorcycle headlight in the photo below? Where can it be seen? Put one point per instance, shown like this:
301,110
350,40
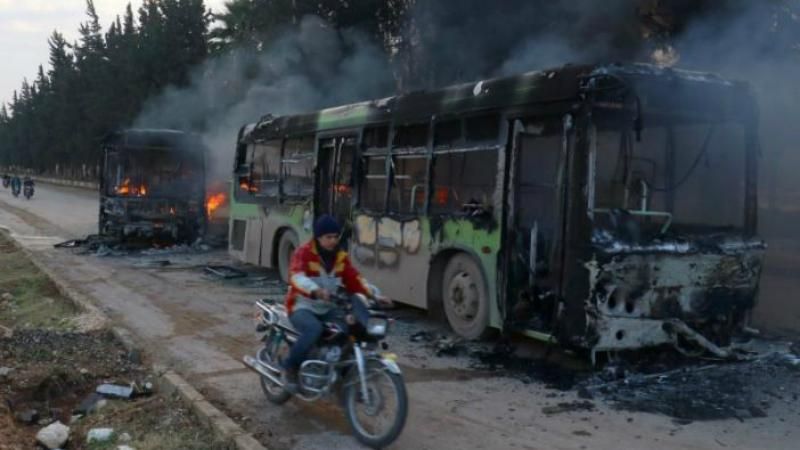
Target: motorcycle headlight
377,326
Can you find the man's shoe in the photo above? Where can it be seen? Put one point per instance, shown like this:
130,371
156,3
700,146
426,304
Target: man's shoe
289,380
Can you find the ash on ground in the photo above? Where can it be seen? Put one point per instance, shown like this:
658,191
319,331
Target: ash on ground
705,391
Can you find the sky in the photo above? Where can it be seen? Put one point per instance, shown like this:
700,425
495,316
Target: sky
25,26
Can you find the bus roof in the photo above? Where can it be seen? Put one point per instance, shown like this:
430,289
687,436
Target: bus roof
563,85
152,139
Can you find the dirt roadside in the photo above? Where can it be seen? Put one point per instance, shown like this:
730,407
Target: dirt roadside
54,354
201,327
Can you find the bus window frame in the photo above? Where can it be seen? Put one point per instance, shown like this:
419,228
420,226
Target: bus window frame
252,197
286,198
464,145
409,152
361,166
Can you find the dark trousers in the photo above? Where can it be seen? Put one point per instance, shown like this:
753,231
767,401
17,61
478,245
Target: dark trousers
309,325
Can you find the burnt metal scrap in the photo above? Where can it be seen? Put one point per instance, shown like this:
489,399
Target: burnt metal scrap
691,293
225,272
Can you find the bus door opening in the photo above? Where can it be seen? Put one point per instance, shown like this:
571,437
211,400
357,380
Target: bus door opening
535,223
335,179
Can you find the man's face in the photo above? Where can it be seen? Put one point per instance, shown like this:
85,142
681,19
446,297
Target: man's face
329,241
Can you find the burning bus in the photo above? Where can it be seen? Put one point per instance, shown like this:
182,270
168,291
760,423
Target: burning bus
604,207
152,185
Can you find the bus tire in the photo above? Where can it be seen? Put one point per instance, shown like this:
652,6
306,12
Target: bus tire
286,246
466,297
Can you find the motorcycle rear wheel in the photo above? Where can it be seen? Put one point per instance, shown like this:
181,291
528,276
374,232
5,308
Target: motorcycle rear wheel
392,401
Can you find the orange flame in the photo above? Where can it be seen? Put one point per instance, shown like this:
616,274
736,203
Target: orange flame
126,189
214,202
247,187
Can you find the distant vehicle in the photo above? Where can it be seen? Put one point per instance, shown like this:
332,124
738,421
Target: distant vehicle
152,185
16,186
27,189
604,207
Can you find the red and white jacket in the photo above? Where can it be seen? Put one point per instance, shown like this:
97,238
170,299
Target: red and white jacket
307,273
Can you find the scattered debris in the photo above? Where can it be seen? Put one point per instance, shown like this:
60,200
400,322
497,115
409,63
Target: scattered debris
72,243
225,272
99,435
153,263
4,371
28,417
54,435
93,402
7,296
568,407
709,392
552,374
105,250
447,346
421,336
112,390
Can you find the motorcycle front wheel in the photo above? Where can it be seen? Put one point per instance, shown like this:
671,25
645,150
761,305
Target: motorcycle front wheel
377,420
275,393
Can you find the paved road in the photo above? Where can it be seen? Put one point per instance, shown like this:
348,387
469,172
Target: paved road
202,327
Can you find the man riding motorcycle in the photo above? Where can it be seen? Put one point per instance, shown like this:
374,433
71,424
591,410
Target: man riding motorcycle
27,186
318,268
16,185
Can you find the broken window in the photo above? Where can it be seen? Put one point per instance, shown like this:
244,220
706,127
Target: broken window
298,168
373,187
141,172
409,187
376,138
411,136
266,167
447,134
463,181
482,129
689,174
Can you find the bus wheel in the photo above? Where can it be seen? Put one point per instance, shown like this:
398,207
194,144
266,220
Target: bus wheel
286,247
465,297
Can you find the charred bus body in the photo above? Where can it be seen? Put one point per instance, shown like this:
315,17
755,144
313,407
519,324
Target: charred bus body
605,207
152,185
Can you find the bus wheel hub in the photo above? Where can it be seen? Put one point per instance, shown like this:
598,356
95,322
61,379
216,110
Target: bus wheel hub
463,296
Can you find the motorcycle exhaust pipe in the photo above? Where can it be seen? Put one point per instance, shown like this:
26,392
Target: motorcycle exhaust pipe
262,369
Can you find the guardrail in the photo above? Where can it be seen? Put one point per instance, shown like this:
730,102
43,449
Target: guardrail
93,185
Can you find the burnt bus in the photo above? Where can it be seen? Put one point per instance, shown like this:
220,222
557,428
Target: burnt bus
152,185
604,207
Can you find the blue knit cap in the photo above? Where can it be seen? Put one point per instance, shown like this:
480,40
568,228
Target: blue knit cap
326,224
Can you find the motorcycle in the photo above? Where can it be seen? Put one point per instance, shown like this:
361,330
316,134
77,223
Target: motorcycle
350,364
15,191
6,181
28,191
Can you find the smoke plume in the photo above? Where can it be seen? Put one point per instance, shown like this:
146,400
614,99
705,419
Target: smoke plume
306,69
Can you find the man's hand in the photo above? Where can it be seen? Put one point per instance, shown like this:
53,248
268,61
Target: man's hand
321,294
384,301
